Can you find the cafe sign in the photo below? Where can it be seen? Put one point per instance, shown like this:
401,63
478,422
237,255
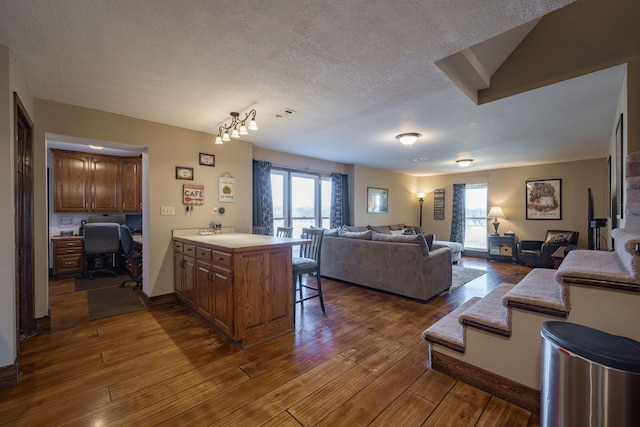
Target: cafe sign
193,194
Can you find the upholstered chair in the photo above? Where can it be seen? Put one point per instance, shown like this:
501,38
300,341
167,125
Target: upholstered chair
537,253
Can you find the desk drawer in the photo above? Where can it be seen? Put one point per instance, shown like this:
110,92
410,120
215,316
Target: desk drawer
203,253
69,250
221,258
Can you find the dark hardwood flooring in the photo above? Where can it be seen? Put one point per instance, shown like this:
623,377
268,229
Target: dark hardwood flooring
363,363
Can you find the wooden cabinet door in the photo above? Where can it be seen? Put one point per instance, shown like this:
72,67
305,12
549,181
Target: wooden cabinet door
131,184
71,176
189,282
223,301
204,288
178,275
105,180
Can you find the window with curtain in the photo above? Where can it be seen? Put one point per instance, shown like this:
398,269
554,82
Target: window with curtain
475,233
300,199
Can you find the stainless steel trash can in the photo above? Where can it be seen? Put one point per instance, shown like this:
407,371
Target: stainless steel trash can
589,377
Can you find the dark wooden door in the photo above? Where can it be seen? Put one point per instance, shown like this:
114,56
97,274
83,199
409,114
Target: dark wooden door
24,220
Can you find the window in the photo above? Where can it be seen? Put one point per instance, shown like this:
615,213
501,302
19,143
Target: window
300,199
475,232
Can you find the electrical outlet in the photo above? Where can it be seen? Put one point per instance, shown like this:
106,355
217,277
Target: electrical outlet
167,210
214,210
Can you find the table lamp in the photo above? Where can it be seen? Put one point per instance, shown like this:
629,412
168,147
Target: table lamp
496,212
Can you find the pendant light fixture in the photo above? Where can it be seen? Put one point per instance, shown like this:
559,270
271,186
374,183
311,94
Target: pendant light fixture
237,127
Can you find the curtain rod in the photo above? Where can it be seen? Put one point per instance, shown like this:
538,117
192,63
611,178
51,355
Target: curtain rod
307,170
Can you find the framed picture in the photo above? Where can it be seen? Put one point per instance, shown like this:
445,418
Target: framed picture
207,159
544,199
377,200
226,189
438,204
184,173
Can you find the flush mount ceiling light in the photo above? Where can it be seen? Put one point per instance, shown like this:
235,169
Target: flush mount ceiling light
237,127
463,163
408,138
96,147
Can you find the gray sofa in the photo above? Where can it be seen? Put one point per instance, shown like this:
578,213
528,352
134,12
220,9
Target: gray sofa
387,263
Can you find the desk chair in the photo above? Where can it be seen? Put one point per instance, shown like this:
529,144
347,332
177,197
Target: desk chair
133,258
101,242
284,232
308,263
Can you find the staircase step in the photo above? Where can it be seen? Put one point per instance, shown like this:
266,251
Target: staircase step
448,331
489,314
540,292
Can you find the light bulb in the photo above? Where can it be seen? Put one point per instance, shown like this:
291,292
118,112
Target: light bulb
234,133
225,137
243,130
218,140
253,125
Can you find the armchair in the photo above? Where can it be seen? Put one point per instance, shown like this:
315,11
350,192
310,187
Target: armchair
537,253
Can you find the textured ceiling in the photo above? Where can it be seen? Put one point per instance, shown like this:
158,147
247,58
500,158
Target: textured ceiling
356,72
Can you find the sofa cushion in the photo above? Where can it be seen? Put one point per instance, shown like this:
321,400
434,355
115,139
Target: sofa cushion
354,228
382,229
429,238
396,227
416,239
331,232
416,228
362,235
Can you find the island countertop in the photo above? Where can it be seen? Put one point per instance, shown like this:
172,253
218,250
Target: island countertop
238,242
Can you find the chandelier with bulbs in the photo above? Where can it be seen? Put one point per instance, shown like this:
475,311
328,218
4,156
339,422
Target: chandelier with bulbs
237,127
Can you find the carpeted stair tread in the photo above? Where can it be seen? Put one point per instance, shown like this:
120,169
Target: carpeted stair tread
540,292
489,314
448,331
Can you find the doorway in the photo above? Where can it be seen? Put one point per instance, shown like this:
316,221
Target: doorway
23,157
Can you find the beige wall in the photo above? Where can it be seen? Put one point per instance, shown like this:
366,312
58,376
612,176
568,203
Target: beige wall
165,147
506,188
11,80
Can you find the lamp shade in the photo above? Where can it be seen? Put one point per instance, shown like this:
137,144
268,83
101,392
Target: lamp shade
496,212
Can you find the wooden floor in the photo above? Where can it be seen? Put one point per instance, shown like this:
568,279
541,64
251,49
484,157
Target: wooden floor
363,363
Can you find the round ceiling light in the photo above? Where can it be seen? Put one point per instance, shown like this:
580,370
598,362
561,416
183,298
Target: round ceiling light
408,138
463,163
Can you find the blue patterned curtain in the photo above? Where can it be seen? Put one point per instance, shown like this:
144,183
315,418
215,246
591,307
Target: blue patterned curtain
458,213
262,201
339,214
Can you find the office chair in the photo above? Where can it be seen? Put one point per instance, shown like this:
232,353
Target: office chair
133,258
101,241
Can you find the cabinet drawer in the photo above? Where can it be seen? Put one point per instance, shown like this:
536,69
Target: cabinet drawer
178,246
188,249
221,258
203,253
70,243
69,250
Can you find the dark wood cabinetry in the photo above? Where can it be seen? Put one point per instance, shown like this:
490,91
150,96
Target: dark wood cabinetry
245,292
503,248
68,255
96,183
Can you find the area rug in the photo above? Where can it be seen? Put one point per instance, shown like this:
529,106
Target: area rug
100,282
463,275
107,302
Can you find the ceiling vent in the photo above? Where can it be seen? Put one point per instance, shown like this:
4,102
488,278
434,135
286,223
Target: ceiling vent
284,113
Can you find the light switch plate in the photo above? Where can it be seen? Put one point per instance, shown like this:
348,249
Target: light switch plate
167,210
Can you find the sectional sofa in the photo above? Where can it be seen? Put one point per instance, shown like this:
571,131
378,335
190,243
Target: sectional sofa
392,262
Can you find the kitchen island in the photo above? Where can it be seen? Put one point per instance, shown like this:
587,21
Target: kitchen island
239,283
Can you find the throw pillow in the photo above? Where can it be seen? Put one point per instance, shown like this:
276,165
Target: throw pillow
416,228
333,232
382,229
558,239
353,228
396,232
362,235
429,238
408,231
416,239
396,227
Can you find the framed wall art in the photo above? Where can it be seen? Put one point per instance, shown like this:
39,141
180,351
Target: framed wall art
438,204
544,199
377,200
184,173
226,189
207,159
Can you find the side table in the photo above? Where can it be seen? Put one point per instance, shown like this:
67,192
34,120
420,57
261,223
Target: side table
503,248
